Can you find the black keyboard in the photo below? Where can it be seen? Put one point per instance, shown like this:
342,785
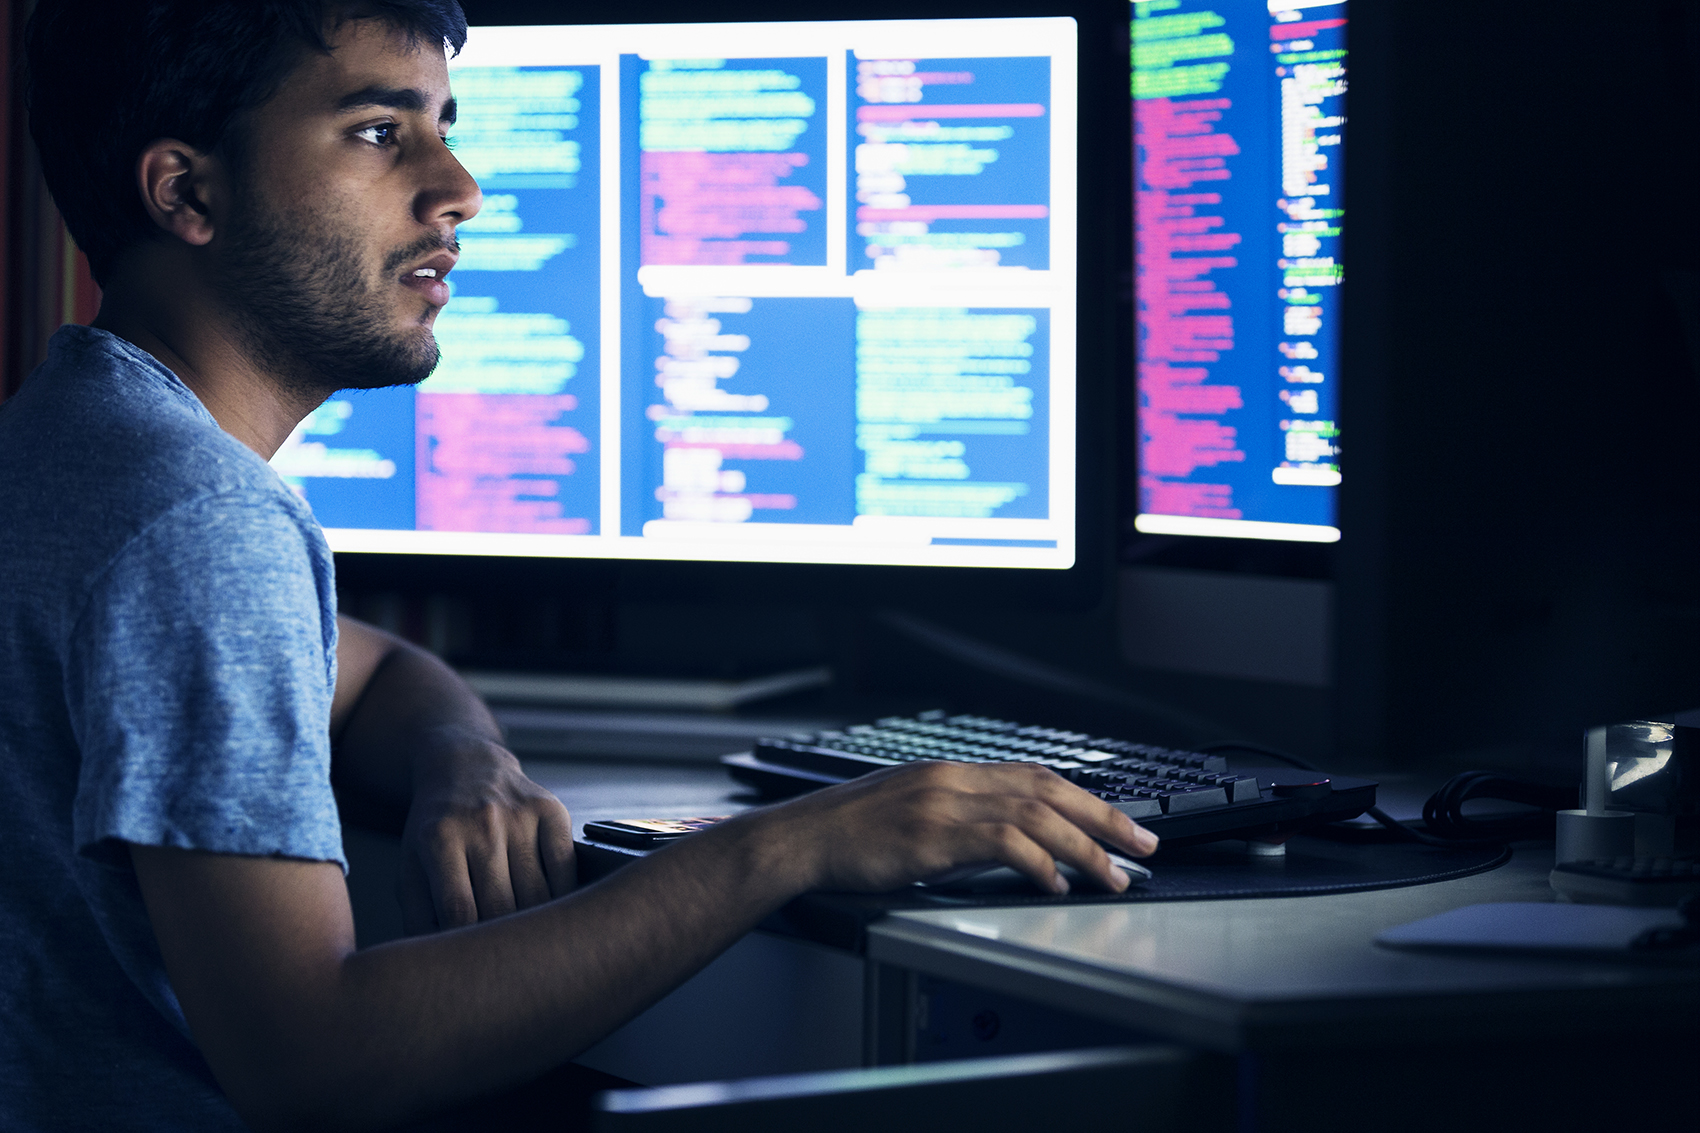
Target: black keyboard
1629,880
1179,795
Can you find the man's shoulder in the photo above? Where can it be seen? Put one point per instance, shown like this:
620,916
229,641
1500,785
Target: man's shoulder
104,443
104,434
98,401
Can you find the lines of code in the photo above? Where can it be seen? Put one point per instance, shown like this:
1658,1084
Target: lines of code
747,418
1238,125
950,163
351,459
733,166
498,462
1311,65
504,425
950,412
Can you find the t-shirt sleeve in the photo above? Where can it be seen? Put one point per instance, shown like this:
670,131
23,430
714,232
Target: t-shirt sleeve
199,680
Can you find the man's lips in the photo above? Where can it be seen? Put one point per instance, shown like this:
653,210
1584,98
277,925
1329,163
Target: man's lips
427,278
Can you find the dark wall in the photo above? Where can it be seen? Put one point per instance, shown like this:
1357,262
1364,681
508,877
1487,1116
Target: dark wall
1523,503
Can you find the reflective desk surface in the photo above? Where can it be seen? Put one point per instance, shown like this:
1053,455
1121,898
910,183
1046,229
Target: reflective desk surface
1242,975
610,789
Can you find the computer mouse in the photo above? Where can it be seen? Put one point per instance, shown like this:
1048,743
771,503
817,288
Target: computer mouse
993,877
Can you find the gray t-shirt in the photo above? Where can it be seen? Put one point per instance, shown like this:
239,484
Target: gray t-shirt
167,658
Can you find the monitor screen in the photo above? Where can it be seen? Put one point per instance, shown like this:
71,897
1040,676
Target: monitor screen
777,292
1239,125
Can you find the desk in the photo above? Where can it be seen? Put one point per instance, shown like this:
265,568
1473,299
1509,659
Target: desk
1260,975
1324,1029
1292,984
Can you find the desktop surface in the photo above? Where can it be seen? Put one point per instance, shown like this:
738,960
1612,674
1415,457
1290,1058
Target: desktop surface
603,790
1261,974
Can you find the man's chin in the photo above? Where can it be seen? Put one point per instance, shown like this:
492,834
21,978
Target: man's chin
401,368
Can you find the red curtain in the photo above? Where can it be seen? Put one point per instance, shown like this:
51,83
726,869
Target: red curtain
45,280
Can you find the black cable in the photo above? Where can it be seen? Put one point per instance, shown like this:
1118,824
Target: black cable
1443,813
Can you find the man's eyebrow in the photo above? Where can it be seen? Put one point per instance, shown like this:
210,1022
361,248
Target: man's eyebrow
393,98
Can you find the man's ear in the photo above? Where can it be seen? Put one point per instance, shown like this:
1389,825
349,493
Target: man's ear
180,186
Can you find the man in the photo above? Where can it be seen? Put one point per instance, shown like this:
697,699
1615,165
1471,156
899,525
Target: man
265,192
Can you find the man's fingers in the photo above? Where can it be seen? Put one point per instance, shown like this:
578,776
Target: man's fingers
1011,845
1093,815
1052,813
525,867
1053,833
1101,820
487,861
555,847
413,893
444,862
492,882
1066,842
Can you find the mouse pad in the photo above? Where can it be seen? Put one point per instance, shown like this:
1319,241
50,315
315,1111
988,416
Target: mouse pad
1222,870
1215,871
1539,927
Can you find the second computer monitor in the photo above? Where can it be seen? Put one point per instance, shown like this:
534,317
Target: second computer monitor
1239,125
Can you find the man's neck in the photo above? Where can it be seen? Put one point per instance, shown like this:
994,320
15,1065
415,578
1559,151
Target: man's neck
189,334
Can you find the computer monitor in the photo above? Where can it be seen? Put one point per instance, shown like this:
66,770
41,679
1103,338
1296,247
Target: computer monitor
1239,132
744,292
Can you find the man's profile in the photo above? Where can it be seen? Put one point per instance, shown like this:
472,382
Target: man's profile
266,194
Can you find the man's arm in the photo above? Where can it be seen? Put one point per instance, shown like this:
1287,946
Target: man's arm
481,839
301,1029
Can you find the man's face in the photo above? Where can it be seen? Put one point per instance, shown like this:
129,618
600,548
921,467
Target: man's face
342,227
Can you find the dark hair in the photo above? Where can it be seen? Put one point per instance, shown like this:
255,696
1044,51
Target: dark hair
107,77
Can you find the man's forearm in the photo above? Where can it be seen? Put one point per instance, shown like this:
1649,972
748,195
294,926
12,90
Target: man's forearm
402,1027
301,1029
412,710
613,950
415,750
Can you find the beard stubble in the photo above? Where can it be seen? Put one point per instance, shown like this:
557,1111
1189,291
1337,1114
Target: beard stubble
310,314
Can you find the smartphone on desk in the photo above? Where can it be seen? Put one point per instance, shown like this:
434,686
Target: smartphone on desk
647,833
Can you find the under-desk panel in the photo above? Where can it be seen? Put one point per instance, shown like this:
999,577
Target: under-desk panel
768,1005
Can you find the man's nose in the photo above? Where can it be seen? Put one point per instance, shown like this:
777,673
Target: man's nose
450,193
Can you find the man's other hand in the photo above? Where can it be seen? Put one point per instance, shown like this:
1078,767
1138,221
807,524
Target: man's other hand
911,823
481,839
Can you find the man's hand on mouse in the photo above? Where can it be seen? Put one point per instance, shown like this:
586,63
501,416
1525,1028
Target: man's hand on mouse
909,823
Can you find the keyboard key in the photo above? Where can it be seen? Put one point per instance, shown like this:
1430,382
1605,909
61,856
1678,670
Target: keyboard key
1242,788
1199,798
1137,809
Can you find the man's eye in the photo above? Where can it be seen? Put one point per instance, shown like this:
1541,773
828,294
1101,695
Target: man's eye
451,143
383,134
